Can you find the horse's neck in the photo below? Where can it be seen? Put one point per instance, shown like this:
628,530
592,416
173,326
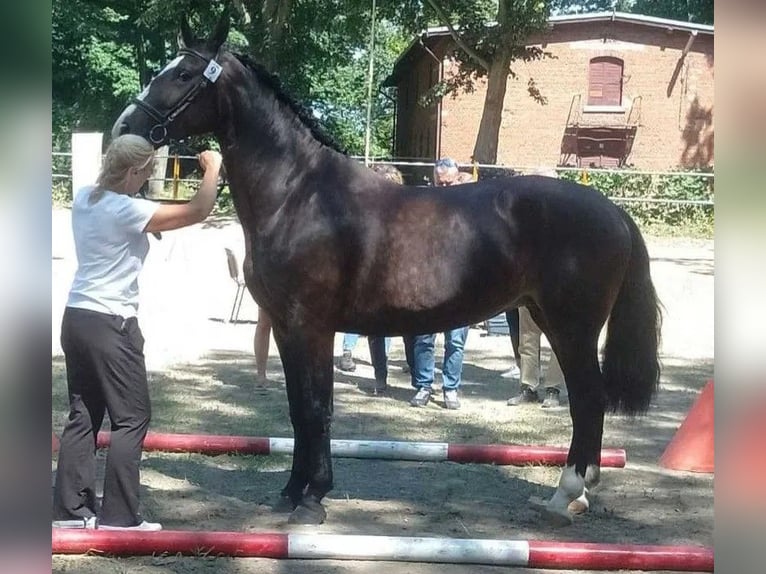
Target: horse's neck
270,155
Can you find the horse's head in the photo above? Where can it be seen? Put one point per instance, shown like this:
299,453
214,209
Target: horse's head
181,100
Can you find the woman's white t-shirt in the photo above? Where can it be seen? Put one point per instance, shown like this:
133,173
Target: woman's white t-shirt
111,247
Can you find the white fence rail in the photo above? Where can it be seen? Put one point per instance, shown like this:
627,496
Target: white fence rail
62,173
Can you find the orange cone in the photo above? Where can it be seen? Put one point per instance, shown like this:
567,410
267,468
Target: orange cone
692,447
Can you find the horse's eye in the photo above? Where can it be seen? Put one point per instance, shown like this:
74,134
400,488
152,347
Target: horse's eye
184,76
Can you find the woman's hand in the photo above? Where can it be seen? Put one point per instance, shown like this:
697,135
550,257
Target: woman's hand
210,160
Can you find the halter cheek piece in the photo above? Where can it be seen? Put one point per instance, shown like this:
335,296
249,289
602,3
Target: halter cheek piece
159,131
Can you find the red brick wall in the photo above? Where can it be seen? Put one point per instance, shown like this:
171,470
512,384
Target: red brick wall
676,126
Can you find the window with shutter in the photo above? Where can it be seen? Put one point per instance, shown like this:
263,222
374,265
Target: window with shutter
605,81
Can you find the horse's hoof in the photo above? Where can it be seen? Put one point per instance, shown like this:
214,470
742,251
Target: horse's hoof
283,505
578,506
551,516
313,513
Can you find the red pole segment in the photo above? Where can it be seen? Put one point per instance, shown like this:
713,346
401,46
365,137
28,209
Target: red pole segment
591,556
206,444
520,455
392,450
189,543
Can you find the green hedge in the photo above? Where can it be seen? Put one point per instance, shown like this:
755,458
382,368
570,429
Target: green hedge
659,218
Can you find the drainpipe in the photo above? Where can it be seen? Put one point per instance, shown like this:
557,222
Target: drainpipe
689,42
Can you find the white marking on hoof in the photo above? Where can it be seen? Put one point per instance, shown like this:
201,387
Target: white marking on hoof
571,487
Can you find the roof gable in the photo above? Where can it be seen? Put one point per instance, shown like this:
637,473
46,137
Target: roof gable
436,33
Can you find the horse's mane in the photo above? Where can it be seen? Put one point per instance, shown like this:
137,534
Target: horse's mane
302,112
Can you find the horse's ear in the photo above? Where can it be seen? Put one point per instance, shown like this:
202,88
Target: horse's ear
218,37
185,36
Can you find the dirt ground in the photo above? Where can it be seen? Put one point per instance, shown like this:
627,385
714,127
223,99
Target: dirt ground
202,380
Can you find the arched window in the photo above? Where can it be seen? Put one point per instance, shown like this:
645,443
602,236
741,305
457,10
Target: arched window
605,81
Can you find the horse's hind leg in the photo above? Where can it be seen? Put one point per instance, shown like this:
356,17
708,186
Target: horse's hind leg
586,406
576,346
307,361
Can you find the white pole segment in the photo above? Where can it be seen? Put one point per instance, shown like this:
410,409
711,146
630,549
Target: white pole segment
379,449
416,549
389,449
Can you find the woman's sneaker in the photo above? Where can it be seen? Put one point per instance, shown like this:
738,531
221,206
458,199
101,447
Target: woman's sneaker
76,523
144,526
421,398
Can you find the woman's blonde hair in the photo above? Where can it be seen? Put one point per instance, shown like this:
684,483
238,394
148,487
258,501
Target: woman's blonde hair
124,153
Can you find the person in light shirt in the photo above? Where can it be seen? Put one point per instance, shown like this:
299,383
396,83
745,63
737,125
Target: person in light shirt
102,341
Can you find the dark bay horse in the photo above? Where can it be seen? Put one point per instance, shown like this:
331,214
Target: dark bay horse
332,246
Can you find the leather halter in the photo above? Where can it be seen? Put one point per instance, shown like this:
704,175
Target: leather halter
159,131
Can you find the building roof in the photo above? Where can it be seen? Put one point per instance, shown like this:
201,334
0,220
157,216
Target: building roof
564,19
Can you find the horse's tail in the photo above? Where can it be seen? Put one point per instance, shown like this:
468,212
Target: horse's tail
631,366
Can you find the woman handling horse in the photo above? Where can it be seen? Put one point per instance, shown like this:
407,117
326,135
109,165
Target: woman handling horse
102,341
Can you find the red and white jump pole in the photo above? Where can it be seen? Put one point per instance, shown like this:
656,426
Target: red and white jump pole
530,554
378,449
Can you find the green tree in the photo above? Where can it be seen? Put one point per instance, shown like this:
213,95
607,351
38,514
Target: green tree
489,36
699,11
103,53
319,48
106,51
590,6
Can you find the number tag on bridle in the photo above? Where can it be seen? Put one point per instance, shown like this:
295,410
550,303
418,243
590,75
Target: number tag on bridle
212,71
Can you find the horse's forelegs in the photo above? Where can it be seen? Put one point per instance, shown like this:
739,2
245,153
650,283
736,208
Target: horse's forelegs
292,493
307,361
310,509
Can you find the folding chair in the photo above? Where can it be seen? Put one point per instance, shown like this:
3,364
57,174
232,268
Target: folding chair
236,275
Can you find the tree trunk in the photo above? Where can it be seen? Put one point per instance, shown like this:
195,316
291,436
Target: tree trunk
485,149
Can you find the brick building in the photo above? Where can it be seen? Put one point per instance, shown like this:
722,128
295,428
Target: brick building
622,90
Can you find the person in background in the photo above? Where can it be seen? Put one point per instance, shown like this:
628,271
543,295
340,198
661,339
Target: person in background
529,352
346,361
102,341
529,349
446,173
